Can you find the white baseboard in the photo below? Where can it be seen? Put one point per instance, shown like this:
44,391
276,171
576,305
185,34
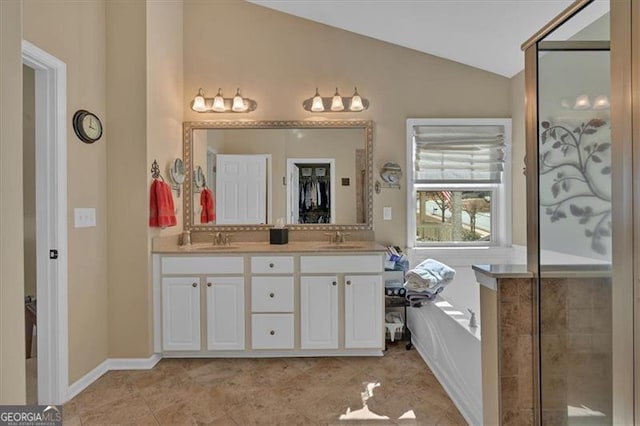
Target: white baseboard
82,383
108,365
134,363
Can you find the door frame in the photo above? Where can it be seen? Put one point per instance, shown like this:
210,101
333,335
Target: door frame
51,222
332,176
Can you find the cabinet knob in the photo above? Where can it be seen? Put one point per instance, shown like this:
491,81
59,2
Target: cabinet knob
271,265
272,332
194,285
348,282
272,295
334,283
209,284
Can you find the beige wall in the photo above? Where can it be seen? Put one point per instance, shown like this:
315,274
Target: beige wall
29,178
129,306
164,93
12,365
278,60
144,79
74,32
518,190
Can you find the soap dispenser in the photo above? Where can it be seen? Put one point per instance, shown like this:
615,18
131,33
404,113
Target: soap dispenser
473,323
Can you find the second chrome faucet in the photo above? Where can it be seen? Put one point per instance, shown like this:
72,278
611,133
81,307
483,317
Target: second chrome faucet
337,237
221,239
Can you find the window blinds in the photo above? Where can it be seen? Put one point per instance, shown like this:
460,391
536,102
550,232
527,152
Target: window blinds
459,154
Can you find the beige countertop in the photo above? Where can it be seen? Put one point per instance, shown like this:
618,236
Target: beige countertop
170,245
503,271
488,275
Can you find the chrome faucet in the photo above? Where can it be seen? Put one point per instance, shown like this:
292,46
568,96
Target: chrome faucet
337,237
221,239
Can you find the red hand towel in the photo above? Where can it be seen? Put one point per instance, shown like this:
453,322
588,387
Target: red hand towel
208,213
161,208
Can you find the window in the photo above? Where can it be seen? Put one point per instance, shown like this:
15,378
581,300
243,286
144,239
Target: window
459,182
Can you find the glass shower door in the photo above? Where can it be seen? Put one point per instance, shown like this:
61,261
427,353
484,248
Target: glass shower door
574,166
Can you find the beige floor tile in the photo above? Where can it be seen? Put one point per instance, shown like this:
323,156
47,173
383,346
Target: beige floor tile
397,389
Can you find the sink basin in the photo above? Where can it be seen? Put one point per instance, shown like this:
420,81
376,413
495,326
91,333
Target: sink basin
206,247
341,247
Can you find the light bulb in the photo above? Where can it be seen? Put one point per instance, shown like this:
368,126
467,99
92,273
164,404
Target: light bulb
336,102
601,102
238,102
582,102
356,102
198,102
218,102
317,105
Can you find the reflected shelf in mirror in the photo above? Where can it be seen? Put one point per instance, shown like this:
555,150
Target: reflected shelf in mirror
253,155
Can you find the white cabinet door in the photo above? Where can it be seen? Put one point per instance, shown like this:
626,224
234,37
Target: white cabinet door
241,189
180,314
363,311
319,312
225,313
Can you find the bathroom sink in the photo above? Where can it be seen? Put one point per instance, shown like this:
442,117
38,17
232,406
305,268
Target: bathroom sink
206,247
341,247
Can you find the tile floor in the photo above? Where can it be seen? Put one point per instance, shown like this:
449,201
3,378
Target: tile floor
395,389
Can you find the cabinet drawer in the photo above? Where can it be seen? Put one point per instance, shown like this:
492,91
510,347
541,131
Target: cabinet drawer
272,331
272,294
341,264
203,265
272,265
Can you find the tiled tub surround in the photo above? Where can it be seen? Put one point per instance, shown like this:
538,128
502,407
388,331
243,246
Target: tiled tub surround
575,341
506,306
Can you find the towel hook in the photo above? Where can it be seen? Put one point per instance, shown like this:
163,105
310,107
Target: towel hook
155,170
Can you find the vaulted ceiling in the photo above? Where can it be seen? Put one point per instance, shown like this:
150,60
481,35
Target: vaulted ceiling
485,34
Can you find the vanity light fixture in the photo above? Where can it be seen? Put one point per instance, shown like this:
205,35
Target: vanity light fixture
221,104
601,102
218,102
583,102
316,104
336,103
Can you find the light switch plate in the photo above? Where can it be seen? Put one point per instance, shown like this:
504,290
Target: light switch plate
386,213
84,217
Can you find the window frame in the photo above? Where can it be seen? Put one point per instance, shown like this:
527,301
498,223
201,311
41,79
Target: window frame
501,193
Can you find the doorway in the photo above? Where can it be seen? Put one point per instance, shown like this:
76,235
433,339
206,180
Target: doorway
45,197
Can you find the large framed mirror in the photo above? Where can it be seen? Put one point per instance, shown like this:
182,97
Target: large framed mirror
249,175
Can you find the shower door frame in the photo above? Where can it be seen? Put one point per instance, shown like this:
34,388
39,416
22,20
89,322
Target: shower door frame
625,135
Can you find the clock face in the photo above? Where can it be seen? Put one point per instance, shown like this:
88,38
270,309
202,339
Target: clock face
92,126
87,126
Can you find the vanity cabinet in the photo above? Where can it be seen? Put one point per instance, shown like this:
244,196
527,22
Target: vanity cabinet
180,314
256,304
181,296
362,294
319,312
225,313
363,299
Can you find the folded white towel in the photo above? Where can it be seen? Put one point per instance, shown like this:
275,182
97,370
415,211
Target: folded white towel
438,269
428,275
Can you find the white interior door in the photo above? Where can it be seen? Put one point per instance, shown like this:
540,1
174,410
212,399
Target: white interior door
241,189
293,201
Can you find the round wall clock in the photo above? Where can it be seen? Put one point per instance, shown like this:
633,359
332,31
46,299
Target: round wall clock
87,126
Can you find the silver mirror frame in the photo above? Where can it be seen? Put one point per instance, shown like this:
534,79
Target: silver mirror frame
189,126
